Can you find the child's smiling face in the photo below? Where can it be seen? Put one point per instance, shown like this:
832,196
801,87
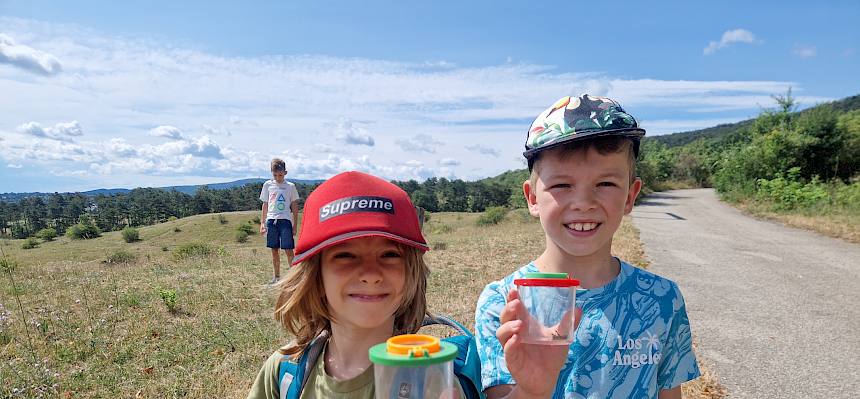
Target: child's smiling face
581,199
364,280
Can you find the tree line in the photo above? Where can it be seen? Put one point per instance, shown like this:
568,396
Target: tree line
146,206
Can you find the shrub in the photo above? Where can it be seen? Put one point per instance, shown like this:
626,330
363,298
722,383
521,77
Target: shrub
847,196
256,220
130,234
245,228
193,250
172,218
788,193
120,256
222,219
47,234
83,231
241,236
441,228
168,297
492,215
30,243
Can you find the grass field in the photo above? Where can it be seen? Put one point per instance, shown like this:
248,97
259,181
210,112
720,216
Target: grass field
75,326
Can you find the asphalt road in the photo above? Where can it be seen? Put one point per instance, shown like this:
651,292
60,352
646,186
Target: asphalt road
776,310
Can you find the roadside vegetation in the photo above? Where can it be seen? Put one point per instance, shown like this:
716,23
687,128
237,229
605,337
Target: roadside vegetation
186,313
802,168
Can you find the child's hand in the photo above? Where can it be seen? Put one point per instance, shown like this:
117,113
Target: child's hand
263,229
534,367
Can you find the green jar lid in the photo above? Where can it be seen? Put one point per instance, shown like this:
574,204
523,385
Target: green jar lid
545,275
412,350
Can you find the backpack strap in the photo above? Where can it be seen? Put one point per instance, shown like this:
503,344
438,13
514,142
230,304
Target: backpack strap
292,376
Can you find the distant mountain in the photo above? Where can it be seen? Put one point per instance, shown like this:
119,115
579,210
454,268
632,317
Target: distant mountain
720,131
190,189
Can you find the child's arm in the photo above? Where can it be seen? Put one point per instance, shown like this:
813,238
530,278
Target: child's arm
263,218
674,393
294,208
534,367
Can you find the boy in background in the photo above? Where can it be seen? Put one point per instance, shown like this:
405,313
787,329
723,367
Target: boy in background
280,211
633,337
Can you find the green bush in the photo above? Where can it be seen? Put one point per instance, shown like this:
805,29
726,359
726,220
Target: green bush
120,256
222,219
130,234
847,196
441,228
789,193
492,215
168,297
241,236
256,220
193,250
172,218
30,243
47,234
245,228
83,231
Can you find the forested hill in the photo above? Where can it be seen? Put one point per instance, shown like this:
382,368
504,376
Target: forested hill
724,130
189,189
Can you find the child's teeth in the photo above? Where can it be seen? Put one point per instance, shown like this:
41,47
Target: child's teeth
583,226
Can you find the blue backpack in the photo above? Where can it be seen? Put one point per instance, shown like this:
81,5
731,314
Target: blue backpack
292,375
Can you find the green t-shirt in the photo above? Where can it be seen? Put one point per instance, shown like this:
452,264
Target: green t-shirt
319,385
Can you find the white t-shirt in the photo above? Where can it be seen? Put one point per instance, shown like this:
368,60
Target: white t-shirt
279,196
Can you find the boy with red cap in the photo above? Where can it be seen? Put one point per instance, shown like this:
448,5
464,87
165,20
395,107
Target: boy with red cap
633,337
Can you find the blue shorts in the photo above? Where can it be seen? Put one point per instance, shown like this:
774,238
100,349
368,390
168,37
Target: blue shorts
279,234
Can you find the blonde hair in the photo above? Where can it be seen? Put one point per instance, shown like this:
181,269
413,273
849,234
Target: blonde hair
302,308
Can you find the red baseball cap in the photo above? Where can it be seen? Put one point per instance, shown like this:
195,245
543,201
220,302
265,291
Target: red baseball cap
352,205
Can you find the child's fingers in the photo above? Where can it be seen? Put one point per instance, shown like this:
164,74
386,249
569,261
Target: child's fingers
508,330
513,294
511,311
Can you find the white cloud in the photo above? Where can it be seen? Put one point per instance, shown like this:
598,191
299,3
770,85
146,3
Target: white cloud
419,143
27,58
729,37
448,162
804,51
482,149
61,131
331,114
166,131
14,166
216,131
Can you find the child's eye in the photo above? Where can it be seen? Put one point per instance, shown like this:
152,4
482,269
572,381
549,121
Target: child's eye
606,184
343,255
391,254
560,185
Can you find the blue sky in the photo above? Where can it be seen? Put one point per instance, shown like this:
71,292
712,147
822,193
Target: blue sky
127,94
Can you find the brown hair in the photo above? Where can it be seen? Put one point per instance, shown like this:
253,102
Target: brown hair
603,145
278,165
302,308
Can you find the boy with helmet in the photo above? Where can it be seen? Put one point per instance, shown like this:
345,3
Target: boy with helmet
633,337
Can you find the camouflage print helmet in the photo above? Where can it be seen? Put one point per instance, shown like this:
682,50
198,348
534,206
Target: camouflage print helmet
580,118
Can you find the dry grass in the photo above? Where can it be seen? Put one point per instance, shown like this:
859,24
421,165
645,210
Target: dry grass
844,226
90,329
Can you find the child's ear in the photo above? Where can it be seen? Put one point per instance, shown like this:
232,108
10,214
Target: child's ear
632,194
531,198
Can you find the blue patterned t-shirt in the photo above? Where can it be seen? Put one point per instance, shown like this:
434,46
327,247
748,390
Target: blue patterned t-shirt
633,341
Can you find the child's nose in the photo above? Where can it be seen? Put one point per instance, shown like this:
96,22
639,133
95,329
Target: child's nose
370,272
582,200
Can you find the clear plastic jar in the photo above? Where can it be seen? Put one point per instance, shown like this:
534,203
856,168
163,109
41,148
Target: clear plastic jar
414,366
550,300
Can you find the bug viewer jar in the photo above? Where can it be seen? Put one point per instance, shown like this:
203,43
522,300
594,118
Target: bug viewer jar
414,366
549,300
